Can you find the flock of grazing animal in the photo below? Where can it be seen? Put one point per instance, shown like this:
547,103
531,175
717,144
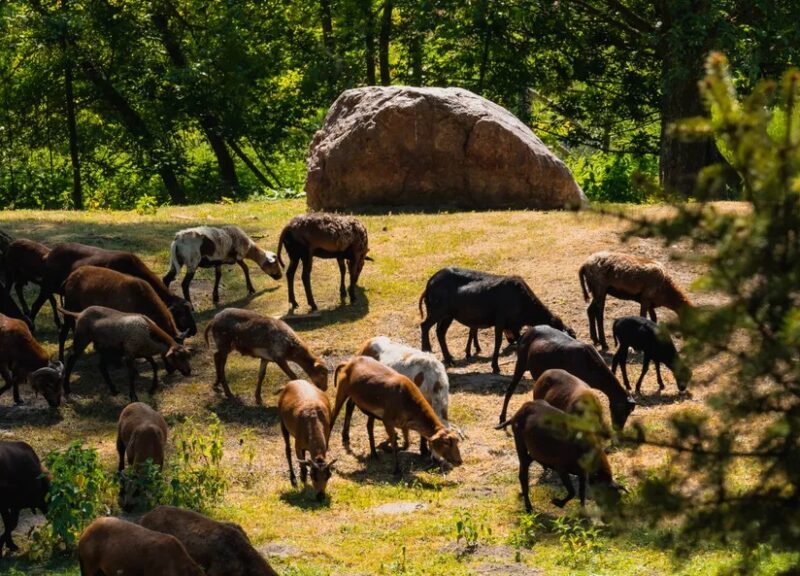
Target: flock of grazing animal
112,300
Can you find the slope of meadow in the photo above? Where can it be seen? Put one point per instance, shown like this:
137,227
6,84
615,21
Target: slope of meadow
359,531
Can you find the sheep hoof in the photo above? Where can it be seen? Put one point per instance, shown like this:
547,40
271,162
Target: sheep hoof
558,502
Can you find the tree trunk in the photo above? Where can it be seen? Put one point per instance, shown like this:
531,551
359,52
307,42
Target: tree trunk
369,40
77,188
209,123
326,19
416,59
136,125
383,41
487,39
249,163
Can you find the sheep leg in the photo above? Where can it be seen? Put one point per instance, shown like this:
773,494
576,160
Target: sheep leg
301,456
348,415
121,454
15,391
44,296
565,480
524,469
423,447
425,329
658,376
342,289
653,316
472,339
106,375
599,318
645,366
217,279
287,443
351,265
393,440
247,281
187,280
131,380
519,372
220,359
371,435
170,275
306,276
498,340
7,378
283,365
290,281
441,334
621,359
10,519
54,306
78,348
262,373
154,366
63,333
19,286
590,312
406,441
582,489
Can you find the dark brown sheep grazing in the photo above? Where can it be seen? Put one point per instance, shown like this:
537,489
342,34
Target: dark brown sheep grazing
305,413
386,395
542,434
24,262
141,436
220,548
264,337
627,277
121,335
324,236
543,347
564,391
22,357
24,483
114,547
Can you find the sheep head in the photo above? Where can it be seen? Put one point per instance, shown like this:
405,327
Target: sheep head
444,445
178,358
270,265
320,472
47,382
319,375
182,312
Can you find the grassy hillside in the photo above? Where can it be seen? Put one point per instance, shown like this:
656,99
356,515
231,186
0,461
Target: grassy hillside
360,531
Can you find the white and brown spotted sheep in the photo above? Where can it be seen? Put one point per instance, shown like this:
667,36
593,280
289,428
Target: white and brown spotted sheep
209,247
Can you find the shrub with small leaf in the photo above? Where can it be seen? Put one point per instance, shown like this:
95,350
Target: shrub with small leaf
471,529
580,540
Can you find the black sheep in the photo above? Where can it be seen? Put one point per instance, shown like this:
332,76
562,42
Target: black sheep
24,483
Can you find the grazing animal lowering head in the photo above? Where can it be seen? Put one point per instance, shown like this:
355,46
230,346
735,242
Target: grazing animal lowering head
182,311
621,411
319,375
271,266
444,444
320,472
44,488
683,375
178,357
47,381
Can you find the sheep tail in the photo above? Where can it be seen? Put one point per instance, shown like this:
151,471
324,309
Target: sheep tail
582,276
336,373
369,258
505,424
174,264
421,299
280,246
207,330
67,312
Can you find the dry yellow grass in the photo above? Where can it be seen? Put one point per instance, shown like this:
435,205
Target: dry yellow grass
348,535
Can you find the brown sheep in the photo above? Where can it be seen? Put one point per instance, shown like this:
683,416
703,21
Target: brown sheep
384,394
570,394
110,546
626,277
264,337
542,434
141,436
324,236
22,357
24,483
305,413
220,548
118,334
24,262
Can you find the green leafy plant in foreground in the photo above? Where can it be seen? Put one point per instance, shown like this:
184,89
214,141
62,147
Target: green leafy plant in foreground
197,478
471,529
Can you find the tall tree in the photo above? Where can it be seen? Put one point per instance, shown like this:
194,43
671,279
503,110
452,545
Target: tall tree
383,41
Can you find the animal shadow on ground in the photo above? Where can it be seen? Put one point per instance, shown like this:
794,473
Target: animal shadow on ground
379,469
341,314
203,316
486,383
235,410
305,498
660,399
32,413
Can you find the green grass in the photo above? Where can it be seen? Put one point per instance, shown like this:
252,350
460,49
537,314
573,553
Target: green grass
347,535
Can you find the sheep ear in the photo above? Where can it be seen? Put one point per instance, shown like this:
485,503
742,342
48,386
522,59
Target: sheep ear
419,379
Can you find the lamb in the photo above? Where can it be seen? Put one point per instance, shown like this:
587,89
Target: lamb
643,335
208,247
386,395
480,300
424,369
324,236
269,339
543,347
21,357
24,262
64,259
119,334
220,548
542,434
24,483
141,436
305,413
629,278
93,286
113,546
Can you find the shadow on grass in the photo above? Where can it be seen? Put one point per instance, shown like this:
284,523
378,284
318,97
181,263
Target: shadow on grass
305,498
32,413
234,410
341,314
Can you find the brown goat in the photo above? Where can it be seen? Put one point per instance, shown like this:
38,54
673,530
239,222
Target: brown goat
566,392
112,546
324,236
141,436
264,337
118,334
542,434
387,395
24,483
220,548
22,357
24,262
626,277
305,413
544,347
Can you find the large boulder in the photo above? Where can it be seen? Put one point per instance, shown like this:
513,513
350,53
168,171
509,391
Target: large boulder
400,145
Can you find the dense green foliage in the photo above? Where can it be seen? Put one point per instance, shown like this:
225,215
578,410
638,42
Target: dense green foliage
754,261
103,102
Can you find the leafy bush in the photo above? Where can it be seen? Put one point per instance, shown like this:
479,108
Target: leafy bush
527,534
614,177
197,479
146,204
77,492
580,540
471,529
